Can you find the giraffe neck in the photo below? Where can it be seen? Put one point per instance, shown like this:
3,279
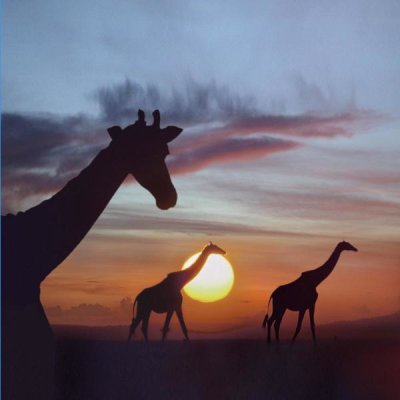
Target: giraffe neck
188,274
57,225
321,273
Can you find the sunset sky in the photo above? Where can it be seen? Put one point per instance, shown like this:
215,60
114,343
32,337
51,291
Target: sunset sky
291,117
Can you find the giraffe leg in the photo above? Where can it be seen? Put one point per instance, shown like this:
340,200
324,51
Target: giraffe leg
269,323
135,323
166,324
276,311
182,322
145,324
277,323
299,321
312,322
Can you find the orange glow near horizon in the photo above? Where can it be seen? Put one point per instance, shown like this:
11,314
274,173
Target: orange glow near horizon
214,281
93,287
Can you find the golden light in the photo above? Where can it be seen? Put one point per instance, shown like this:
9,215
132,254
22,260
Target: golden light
214,281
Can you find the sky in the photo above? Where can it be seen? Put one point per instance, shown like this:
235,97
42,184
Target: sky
291,139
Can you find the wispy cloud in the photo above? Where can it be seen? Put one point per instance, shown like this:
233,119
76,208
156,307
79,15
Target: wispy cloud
190,105
91,313
317,202
332,204
311,96
40,153
123,221
228,150
81,311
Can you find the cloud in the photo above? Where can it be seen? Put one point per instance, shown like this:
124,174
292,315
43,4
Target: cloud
332,204
40,153
228,150
81,311
311,96
300,127
123,221
197,104
89,314
316,202
126,305
190,105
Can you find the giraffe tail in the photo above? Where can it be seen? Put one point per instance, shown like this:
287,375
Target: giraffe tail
264,324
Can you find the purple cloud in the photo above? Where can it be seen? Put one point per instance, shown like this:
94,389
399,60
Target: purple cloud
40,153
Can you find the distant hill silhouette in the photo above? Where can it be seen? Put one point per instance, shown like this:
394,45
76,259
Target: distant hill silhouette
385,327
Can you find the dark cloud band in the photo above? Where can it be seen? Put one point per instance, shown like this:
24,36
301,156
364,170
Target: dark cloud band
40,153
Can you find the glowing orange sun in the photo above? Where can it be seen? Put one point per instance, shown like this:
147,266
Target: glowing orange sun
214,281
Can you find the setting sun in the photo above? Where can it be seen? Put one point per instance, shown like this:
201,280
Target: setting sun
214,282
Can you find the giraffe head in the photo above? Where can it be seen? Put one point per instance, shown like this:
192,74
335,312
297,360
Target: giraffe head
143,149
347,246
214,249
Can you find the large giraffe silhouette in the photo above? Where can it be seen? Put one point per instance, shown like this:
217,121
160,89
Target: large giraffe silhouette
301,294
166,297
36,241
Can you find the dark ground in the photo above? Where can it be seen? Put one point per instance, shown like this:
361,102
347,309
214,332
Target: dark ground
228,369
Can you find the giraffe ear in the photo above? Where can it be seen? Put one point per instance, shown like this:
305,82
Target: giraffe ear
115,132
170,133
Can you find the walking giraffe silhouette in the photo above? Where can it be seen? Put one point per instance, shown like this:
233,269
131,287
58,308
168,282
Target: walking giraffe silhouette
301,294
35,242
166,297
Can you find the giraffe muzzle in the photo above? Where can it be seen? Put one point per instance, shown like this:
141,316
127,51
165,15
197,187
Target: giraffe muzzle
166,202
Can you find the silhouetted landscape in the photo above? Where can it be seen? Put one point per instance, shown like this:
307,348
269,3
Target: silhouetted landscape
352,360
277,139
384,327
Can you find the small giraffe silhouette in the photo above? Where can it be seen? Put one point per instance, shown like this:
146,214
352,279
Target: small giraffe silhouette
36,241
166,297
301,294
